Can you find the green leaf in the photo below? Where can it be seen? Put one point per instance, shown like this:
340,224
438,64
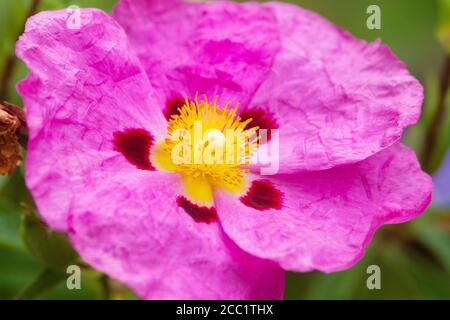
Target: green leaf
46,280
11,15
9,224
17,269
52,248
424,277
407,272
3,181
443,27
436,239
91,288
19,272
15,190
105,5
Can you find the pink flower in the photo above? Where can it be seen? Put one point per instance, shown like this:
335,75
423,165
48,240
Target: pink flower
102,97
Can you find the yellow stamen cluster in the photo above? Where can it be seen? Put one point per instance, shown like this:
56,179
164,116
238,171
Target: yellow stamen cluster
208,142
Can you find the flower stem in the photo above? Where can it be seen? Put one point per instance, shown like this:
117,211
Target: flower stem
11,60
438,117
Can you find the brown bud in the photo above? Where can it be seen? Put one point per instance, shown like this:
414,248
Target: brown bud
12,123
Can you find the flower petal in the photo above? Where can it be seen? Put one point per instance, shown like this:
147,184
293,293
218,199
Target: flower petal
84,86
328,217
215,48
133,229
337,99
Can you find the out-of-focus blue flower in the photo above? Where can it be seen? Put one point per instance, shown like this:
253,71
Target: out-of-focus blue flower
441,193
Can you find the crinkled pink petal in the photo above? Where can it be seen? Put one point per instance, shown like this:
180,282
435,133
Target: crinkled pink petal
336,99
84,85
328,217
214,48
86,98
132,229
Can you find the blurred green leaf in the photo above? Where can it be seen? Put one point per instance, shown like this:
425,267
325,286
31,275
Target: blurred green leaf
9,224
11,18
91,288
443,27
3,180
414,274
52,248
17,269
46,280
408,27
105,5
406,273
435,238
15,189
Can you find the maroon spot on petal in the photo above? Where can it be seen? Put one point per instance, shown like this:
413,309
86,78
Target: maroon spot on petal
199,214
262,195
172,106
135,145
260,118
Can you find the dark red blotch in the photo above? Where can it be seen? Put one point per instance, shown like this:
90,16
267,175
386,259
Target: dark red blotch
199,214
263,195
260,118
172,106
135,145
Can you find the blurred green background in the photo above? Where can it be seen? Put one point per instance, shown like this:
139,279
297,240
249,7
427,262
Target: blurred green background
414,257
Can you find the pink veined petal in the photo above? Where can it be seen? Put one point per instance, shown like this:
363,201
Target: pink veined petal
133,230
84,85
337,100
214,48
92,114
328,217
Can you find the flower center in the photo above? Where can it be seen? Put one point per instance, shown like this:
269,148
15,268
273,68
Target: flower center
209,146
